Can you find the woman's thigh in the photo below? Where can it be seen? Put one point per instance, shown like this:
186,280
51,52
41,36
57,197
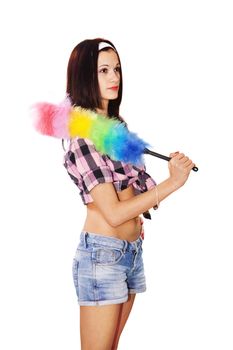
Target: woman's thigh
123,317
98,325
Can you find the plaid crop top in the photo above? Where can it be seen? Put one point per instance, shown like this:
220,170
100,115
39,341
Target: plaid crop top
87,168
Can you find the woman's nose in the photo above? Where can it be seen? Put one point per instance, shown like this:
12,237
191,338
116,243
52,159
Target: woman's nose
114,76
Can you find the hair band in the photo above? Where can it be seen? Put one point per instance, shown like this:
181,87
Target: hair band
103,44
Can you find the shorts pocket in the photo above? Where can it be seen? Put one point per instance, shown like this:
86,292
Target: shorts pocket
107,256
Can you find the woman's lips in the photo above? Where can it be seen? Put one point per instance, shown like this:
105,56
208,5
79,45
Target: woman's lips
114,88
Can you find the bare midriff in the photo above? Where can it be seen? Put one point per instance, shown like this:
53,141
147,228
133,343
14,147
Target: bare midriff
96,223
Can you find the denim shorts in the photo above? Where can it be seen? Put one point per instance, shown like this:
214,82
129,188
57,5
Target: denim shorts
107,269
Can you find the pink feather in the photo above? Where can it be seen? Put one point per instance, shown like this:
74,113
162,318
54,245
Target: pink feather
43,114
60,121
52,120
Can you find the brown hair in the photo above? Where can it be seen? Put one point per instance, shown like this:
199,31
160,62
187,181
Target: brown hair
82,80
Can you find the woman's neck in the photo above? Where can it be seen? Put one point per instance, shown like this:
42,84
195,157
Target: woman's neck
104,109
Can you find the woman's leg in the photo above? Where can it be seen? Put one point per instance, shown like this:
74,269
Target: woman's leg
123,317
98,326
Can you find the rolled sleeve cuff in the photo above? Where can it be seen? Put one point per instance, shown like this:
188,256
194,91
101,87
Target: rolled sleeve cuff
99,175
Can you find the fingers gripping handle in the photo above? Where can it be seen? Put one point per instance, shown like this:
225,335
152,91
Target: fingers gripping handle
147,151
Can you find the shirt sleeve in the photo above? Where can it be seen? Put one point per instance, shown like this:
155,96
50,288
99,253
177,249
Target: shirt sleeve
90,163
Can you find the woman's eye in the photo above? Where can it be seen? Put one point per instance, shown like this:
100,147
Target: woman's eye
104,70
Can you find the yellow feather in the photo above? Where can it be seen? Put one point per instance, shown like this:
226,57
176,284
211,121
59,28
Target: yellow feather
79,123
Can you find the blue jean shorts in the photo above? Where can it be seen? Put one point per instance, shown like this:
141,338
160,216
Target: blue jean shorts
107,269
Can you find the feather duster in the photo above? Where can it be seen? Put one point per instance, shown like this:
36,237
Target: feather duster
109,135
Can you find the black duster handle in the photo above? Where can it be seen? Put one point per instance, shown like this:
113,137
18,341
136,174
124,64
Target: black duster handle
147,151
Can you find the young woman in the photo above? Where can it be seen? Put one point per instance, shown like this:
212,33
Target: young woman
108,266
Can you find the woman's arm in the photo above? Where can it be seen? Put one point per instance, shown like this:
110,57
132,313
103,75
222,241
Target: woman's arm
117,212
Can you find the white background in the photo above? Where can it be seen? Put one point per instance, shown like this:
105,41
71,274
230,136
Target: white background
177,64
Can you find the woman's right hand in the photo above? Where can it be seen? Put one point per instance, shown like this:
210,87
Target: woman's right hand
179,168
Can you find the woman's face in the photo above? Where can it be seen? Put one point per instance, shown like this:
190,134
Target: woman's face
108,74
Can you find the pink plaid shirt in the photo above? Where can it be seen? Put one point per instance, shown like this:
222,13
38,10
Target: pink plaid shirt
87,168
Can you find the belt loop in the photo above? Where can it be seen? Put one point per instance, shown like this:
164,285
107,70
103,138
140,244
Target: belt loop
85,239
125,246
